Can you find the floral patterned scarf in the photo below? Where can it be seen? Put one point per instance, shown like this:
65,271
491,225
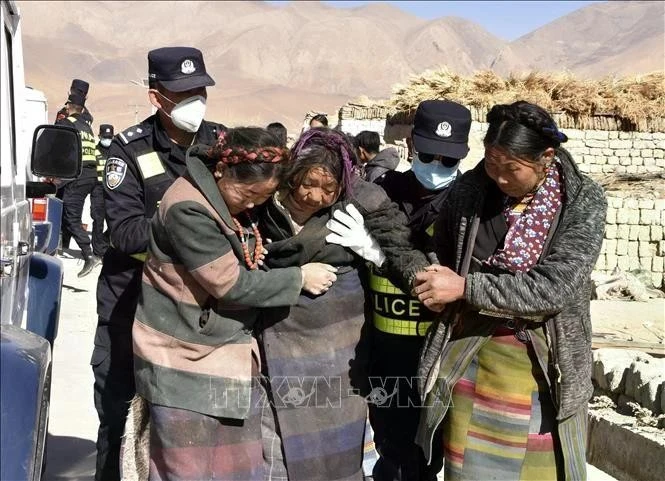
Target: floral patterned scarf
529,220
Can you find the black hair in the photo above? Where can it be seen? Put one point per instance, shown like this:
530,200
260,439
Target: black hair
523,130
325,148
279,131
368,140
319,118
239,153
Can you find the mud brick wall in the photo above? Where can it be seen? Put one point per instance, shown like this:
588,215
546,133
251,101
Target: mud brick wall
634,235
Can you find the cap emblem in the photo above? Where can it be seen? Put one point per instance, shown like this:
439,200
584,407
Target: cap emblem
444,129
187,67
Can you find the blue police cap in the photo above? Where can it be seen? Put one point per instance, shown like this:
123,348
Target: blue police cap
178,68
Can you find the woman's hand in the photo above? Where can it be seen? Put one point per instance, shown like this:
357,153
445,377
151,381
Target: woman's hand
438,286
317,277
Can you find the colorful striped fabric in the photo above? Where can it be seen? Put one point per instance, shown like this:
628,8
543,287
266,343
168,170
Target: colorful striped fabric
501,420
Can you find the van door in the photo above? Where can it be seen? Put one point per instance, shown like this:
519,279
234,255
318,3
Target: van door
15,221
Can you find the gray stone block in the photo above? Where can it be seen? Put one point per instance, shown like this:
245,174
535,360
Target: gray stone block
643,382
625,161
623,263
648,217
613,160
615,202
645,204
611,216
624,143
656,233
623,231
622,153
596,144
622,245
631,203
646,153
633,248
658,153
597,134
597,151
634,232
610,367
574,134
646,249
657,264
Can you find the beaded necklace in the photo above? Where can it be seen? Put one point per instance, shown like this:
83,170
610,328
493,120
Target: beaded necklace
258,248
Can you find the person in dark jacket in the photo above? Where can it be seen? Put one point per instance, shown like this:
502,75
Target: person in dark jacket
375,163
195,355
506,369
75,192
143,161
399,322
325,338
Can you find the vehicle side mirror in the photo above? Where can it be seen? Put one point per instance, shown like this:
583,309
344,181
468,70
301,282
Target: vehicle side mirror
56,152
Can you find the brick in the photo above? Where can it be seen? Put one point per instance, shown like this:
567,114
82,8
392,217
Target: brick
662,217
624,160
611,231
597,134
610,261
620,216
631,203
597,144
633,247
620,144
661,248
656,233
584,168
658,153
597,151
634,232
574,143
631,169
600,263
626,135
637,161
595,169
646,204
613,160
649,161
657,264
608,169
622,231
645,263
622,247
659,204
647,249
616,202
610,246
622,153
589,159
634,153
574,134
643,144
634,263
620,169
623,263
646,152
657,279
644,233
660,163
649,216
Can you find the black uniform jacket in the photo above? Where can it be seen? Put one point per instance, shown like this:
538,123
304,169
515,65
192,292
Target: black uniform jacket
142,163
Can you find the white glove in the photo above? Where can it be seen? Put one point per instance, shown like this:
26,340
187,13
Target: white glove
348,230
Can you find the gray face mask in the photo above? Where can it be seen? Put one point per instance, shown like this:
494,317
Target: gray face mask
105,142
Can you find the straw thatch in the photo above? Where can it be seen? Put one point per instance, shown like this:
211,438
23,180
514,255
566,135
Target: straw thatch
628,102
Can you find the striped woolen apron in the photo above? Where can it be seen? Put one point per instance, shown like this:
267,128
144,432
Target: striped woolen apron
501,424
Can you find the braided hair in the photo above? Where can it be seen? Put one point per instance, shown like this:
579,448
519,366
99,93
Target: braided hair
522,129
322,147
248,154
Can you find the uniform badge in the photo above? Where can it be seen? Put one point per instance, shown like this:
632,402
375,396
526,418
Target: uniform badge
187,67
444,129
115,172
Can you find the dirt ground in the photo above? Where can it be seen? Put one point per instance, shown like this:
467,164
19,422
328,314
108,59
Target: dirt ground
73,419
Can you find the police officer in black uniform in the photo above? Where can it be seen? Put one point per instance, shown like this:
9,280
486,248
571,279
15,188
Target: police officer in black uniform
97,211
75,192
440,139
143,161
81,87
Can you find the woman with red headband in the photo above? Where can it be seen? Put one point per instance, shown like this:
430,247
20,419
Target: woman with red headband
195,358
315,352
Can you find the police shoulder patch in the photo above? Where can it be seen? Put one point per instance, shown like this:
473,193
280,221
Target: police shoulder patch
133,133
115,171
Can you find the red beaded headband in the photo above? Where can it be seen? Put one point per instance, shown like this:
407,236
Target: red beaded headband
237,155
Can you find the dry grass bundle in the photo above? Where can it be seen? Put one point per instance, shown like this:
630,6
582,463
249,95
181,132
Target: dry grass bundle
633,99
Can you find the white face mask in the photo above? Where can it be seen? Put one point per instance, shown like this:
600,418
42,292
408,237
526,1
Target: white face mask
105,142
188,114
433,175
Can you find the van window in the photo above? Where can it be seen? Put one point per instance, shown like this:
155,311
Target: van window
8,94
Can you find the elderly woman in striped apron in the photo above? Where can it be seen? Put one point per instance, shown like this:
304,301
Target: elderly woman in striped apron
195,356
507,369
316,352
